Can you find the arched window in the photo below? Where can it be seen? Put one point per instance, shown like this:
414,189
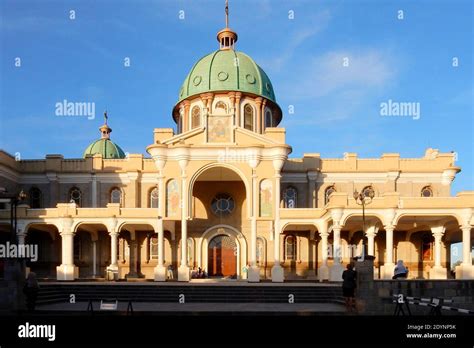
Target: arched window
35,198
75,196
154,198
290,247
116,195
248,117
220,107
154,247
368,191
329,191
290,197
426,191
268,119
195,117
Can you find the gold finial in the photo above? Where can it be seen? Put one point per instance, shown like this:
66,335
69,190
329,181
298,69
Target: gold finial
105,117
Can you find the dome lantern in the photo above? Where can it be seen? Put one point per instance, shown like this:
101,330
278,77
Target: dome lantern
104,146
227,37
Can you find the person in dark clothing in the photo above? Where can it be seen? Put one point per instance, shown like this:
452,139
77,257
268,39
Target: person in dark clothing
30,290
349,285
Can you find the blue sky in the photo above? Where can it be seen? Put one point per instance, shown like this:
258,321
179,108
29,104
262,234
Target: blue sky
336,108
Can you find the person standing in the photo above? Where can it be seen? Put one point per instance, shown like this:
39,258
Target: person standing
30,290
349,277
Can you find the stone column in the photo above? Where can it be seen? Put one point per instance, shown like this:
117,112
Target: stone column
133,262
254,270
113,267
94,190
389,265
335,273
466,269
186,125
263,126
238,96
466,245
277,270
312,195
67,270
323,270
370,234
183,270
438,272
258,120
160,270
94,258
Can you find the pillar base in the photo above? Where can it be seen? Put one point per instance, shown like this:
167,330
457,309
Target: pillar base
67,272
112,272
160,273
278,274
323,273
386,270
335,272
183,274
438,272
464,271
253,274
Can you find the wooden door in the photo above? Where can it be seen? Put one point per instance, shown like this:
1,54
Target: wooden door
222,257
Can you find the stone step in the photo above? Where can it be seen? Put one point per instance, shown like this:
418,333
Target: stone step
51,293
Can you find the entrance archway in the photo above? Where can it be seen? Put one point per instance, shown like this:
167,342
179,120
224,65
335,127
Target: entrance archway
222,256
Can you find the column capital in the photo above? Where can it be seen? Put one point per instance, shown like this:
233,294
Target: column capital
65,226
323,234
465,227
389,228
372,231
438,231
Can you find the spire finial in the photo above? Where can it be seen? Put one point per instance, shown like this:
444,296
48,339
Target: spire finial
226,13
105,130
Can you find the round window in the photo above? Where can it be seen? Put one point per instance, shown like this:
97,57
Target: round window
222,204
197,80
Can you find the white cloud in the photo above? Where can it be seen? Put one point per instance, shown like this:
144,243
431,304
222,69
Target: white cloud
323,75
277,62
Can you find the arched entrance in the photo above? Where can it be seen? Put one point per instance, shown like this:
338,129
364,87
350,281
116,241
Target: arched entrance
222,257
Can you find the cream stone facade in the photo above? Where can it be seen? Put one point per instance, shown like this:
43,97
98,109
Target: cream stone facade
222,194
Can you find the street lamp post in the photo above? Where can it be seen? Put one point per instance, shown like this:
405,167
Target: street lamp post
364,198
14,271
14,200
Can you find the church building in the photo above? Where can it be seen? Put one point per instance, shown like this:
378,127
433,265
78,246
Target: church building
219,192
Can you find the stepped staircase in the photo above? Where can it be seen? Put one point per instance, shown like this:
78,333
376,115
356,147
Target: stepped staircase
200,293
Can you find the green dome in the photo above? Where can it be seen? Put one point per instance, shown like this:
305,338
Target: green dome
227,70
106,148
